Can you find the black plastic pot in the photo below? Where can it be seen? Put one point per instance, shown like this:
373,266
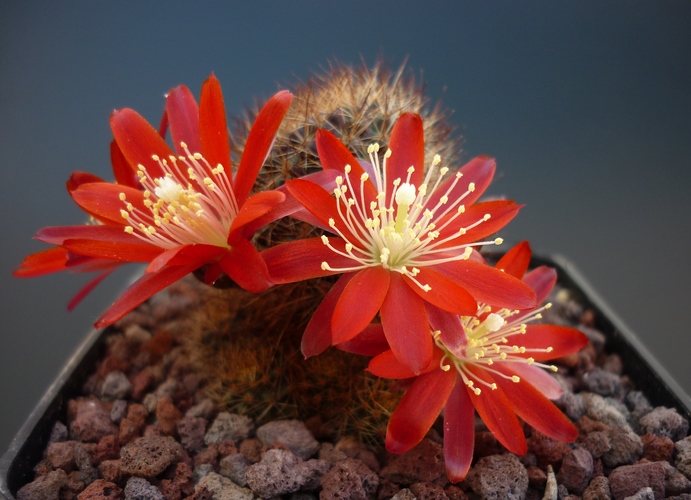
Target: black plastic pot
26,450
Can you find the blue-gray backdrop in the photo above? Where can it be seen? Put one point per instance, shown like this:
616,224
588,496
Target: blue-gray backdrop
585,104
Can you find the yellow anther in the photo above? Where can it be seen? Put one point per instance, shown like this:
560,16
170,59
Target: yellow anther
436,160
325,240
554,368
516,379
325,266
124,214
122,196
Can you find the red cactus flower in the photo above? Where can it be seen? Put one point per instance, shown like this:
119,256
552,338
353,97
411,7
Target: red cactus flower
178,210
402,239
491,364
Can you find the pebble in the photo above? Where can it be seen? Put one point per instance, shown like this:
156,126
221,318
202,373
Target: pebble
149,456
118,411
646,493
683,460
547,450
101,490
138,488
675,482
657,448
603,410
598,489
602,382
44,487
116,386
228,427
233,467
203,409
92,421
499,477
349,478
61,455
597,443
191,431
627,480
291,433
167,415
58,433
576,470
627,447
404,494
223,488
280,472
425,462
428,491
664,422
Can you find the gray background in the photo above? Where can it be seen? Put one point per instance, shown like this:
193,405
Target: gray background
585,104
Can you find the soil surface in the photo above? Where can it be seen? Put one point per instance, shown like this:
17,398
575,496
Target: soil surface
144,428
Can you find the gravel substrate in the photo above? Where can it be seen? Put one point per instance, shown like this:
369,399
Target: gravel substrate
145,429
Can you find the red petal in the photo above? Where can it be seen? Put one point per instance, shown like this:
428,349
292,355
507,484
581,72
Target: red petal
102,199
489,285
87,289
459,432
386,365
138,141
302,259
317,336
405,324
124,174
407,145
359,303
57,235
213,125
418,410
536,409
500,212
538,378
113,250
369,342
186,255
183,116
320,204
142,289
479,170
290,206
516,261
259,143
78,178
541,279
244,265
334,155
444,293
496,412
255,206
48,261
449,327
562,339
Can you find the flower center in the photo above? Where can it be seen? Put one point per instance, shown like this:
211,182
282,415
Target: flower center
403,228
488,343
197,208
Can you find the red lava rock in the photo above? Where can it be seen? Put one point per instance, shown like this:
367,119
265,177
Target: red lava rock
44,487
656,448
92,421
110,470
112,364
149,456
537,478
159,345
73,486
252,449
486,444
498,476
138,415
191,431
598,489
387,489
455,493
628,479
207,456
349,478
428,491
108,448
128,431
226,448
168,415
141,383
586,425
576,470
425,462
101,490
547,450
61,456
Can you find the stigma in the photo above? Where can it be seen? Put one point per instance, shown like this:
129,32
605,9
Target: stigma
403,228
493,338
192,202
